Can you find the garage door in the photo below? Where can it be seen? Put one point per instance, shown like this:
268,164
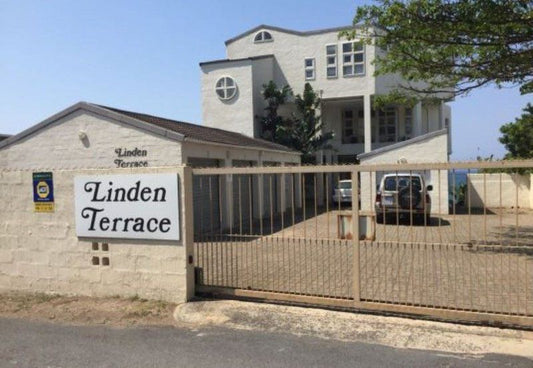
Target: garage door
243,201
206,196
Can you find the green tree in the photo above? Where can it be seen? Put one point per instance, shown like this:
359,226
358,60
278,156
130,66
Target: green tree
517,137
451,45
275,97
305,132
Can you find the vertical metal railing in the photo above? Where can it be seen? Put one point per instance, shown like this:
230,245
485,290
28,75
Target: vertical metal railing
287,230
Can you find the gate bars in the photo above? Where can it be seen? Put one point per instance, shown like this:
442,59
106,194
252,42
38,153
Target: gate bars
277,234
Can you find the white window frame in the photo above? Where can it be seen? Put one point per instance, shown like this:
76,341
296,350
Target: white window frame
224,88
353,124
352,63
387,118
262,38
311,68
334,64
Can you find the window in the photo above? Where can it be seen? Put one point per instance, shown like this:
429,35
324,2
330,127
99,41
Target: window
353,59
309,65
351,128
387,125
399,182
331,61
226,88
408,123
263,36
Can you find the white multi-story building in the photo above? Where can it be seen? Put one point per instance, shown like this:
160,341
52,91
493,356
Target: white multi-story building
343,73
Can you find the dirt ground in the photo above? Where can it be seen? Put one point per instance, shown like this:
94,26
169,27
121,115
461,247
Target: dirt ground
80,310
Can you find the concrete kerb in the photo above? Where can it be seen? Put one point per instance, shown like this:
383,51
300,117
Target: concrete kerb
384,330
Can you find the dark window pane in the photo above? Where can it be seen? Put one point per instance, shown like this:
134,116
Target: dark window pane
331,50
347,70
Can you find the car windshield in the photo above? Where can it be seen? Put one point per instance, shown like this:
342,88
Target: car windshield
345,185
395,182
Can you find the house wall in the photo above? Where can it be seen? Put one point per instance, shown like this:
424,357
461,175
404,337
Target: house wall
237,114
58,146
485,190
40,252
433,149
227,154
290,50
262,73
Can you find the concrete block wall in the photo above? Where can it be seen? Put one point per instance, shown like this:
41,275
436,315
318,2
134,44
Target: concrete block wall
41,252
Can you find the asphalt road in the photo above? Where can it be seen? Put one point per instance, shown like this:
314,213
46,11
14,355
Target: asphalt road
32,344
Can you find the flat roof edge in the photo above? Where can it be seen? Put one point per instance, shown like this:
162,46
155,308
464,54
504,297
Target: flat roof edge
402,144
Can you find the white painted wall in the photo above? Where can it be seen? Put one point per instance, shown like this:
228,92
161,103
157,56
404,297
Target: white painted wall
237,114
262,73
433,149
58,146
41,252
290,51
485,190
228,153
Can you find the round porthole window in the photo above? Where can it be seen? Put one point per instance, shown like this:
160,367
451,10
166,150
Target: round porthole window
226,88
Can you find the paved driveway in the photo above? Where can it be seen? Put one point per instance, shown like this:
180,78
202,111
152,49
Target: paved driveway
478,262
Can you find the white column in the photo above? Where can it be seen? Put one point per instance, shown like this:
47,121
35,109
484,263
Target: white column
441,115
417,119
367,123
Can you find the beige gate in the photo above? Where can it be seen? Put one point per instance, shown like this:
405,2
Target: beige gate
471,260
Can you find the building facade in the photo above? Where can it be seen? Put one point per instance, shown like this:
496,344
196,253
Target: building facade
341,71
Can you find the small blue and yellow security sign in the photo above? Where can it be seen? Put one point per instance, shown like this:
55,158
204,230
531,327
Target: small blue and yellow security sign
43,192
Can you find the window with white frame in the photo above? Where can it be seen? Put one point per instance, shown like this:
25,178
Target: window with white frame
263,36
408,123
353,59
387,125
309,66
331,61
226,88
351,127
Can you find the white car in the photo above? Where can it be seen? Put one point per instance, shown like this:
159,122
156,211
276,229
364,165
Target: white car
343,192
403,194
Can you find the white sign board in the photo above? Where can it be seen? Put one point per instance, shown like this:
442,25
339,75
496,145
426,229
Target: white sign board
134,206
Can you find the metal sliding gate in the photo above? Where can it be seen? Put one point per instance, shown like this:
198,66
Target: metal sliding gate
285,233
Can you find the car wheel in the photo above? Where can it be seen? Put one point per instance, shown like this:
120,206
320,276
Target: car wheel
428,219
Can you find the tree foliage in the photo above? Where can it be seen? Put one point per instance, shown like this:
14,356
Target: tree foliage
275,97
303,130
452,45
517,136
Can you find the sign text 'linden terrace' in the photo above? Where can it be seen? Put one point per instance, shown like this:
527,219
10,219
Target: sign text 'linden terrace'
141,206
123,153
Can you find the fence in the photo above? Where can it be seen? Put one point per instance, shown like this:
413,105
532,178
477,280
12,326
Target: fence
407,241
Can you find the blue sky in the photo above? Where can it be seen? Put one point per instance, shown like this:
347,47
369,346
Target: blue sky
144,55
